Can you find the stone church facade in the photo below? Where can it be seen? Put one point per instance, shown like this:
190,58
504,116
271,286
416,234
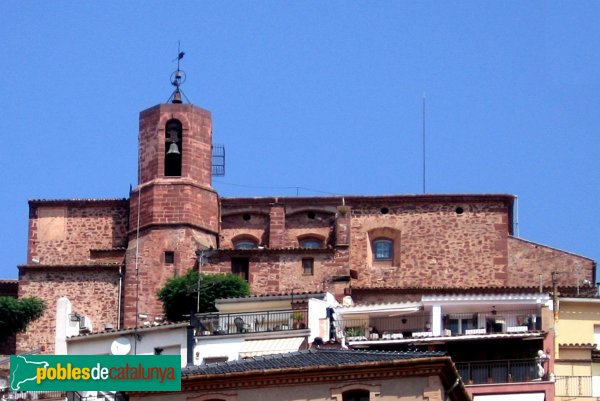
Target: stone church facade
110,256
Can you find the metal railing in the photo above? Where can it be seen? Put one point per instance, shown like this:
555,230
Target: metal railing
574,386
252,322
96,396
377,327
420,324
505,321
34,395
500,371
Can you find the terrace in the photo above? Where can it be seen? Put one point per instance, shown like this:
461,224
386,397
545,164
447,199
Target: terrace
500,371
209,324
423,324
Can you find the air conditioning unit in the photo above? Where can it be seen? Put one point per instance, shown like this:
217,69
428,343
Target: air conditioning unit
85,324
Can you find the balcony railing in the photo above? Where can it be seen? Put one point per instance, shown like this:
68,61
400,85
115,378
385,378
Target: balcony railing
251,322
452,324
575,386
35,395
501,371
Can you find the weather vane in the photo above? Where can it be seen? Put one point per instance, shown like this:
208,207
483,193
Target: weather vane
178,78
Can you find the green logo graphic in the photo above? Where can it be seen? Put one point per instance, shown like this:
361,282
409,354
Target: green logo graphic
95,373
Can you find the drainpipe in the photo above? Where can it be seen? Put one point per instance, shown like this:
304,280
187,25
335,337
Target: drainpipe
190,345
120,295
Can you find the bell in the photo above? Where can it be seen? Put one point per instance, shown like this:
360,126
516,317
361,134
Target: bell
173,149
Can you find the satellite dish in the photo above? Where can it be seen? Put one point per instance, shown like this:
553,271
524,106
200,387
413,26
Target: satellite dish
121,346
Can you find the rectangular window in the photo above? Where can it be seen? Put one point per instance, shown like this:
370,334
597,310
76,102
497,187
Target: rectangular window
169,257
308,265
383,249
460,325
241,267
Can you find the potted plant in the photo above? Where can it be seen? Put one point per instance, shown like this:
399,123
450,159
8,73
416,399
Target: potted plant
298,318
354,332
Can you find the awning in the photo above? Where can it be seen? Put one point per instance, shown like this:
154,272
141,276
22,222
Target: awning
272,346
510,397
388,309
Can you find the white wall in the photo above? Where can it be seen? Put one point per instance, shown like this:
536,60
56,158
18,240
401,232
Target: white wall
317,317
171,340
218,346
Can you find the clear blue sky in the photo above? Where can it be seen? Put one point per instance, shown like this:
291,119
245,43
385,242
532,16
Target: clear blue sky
312,94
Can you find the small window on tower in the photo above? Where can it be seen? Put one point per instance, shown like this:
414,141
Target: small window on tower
169,257
308,266
173,139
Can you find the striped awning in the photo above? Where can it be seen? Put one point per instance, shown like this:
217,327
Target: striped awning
271,346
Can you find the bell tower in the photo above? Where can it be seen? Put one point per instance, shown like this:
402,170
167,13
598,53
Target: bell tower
173,209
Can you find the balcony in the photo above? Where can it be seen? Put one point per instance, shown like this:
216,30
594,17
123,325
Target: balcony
500,371
422,325
34,395
209,324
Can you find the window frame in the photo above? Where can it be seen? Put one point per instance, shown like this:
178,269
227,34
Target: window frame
169,257
356,395
245,244
390,250
308,263
316,243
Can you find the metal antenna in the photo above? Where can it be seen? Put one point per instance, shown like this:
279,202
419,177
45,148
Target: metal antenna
423,142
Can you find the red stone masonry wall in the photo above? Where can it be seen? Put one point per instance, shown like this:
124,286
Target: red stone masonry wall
234,226
317,224
443,241
175,201
438,246
272,273
153,271
277,226
177,214
527,260
73,228
93,291
196,142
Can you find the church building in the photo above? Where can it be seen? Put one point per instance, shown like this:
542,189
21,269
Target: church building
111,256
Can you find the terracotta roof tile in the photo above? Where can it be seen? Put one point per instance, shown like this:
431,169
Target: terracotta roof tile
304,359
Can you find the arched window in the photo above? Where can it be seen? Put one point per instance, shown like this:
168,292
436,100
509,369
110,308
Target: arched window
356,395
173,139
245,244
311,243
383,249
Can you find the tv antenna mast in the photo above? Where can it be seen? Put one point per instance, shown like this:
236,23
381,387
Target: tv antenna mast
423,142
